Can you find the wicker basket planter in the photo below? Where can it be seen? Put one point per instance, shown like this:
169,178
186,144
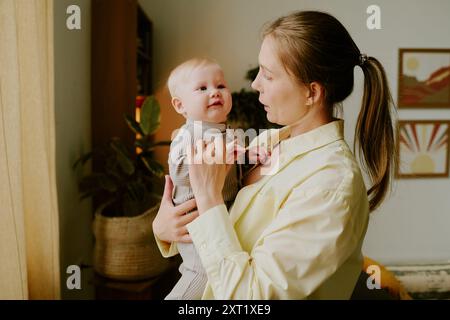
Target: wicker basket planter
125,248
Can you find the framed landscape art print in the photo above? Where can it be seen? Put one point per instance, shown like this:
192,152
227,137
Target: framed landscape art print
424,78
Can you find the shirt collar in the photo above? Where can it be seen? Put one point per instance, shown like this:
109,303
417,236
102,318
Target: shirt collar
206,125
313,139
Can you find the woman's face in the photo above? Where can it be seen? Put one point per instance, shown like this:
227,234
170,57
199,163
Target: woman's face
283,97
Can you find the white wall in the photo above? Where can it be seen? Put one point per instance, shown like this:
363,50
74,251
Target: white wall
413,224
73,133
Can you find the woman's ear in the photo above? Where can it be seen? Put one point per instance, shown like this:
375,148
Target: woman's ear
315,93
178,105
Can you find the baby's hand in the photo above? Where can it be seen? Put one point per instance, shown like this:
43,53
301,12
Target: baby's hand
258,154
234,150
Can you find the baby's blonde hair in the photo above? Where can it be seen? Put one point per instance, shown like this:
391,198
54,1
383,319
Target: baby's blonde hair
183,70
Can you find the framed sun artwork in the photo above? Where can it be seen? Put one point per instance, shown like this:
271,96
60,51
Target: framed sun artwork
423,149
424,78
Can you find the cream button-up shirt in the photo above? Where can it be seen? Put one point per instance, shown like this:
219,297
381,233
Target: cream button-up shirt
295,233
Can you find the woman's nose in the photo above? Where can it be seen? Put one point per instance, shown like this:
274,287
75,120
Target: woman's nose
255,83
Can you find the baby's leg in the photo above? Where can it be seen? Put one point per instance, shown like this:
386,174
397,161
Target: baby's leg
190,286
193,276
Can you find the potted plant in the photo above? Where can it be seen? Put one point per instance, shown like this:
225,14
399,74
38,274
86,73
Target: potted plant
127,190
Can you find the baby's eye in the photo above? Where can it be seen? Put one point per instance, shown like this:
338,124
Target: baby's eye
202,88
221,86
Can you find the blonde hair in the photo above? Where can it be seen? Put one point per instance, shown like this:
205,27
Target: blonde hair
182,72
315,47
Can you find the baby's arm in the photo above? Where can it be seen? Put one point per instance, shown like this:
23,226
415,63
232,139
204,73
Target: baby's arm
178,161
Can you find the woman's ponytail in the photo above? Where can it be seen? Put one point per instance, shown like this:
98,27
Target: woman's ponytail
375,131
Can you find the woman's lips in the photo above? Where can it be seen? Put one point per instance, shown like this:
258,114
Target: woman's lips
265,106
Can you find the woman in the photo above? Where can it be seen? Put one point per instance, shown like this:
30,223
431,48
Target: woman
298,232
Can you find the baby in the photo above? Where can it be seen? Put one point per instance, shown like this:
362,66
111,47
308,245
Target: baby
199,92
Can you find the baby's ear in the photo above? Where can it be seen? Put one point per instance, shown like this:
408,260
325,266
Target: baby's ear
178,105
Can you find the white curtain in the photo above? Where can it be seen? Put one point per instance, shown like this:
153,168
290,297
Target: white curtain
29,235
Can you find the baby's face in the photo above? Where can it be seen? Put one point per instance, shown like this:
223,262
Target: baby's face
205,96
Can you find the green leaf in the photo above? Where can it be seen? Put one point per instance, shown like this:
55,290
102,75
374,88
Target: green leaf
131,207
142,143
150,115
133,125
108,184
82,160
161,143
95,183
153,166
147,145
139,189
92,184
122,157
113,169
85,195
131,194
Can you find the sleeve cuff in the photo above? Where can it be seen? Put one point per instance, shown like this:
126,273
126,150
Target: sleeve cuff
214,237
167,249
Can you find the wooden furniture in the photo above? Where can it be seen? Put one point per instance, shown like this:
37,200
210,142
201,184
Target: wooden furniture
144,54
121,67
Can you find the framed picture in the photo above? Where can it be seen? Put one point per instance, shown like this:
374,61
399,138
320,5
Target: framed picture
424,78
423,149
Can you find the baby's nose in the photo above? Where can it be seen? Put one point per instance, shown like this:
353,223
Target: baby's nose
215,92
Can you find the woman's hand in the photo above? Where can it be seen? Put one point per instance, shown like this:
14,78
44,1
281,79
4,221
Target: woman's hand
170,222
207,177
